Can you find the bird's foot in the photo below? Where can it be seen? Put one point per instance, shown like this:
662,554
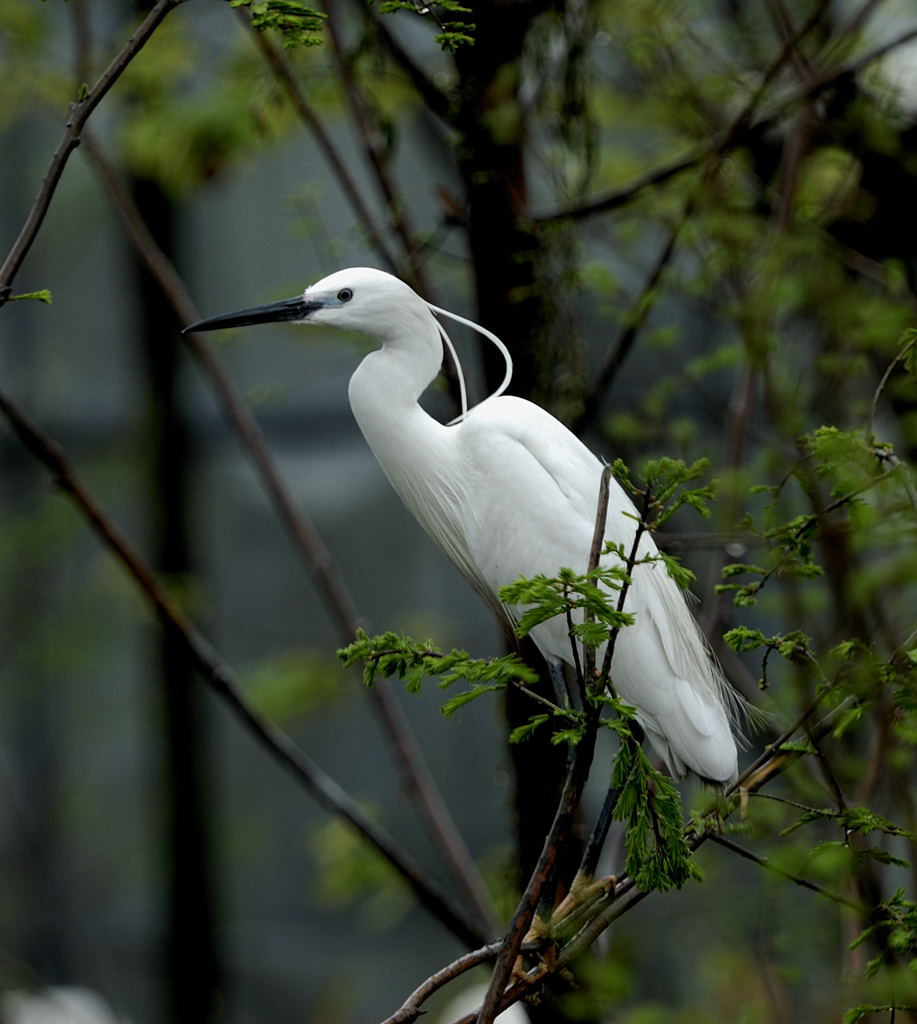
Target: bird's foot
584,889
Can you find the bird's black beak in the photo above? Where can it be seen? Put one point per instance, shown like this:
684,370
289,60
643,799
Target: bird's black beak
270,313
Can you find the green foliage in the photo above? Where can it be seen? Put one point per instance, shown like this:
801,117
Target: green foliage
896,919
351,873
527,729
186,127
453,33
860,820
682,575
34,79
296,684
657,851
43,295
298,24
392,655
867,485
794,646
864,1010
545,598
663,488
456,34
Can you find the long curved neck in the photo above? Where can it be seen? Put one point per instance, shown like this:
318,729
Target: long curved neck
384,390
422,458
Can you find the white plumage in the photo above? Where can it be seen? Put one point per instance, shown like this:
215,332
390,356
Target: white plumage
508,491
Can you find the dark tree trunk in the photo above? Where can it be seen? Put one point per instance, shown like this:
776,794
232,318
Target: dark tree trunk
509,258
191,963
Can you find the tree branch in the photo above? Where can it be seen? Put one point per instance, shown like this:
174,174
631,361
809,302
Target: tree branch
417,779
356,99
560,830
220,679
640,309
605,908
410,1009
742,851
283,71
79,113
741,130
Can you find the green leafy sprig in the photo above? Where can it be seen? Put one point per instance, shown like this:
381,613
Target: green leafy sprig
856,466
391,655
298,24
658,854
453,31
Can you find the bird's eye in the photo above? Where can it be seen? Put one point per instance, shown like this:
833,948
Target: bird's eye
345,295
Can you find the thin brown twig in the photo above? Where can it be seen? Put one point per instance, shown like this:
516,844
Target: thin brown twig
356,100
900,356
220,678
595,553
410,1009
743,851
79,113
283,71
629,566
416,776
558,833
623,344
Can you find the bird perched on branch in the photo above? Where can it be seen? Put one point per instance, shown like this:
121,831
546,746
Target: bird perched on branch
507,491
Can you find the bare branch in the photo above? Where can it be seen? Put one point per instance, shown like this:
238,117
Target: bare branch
410,1010
79,113
900,357
741,130
357,101
417,779
640,309
219,677
559,832
742,851
280,65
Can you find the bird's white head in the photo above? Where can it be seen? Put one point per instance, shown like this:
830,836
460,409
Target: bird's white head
371,302
358,299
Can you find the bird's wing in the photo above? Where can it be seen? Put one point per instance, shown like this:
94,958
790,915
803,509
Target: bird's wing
533,494
663,667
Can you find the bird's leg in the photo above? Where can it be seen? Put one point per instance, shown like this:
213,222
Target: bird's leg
599,834
584,888
549,928
558,682
583,891
716,815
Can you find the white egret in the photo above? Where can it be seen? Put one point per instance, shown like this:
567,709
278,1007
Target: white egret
508,491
